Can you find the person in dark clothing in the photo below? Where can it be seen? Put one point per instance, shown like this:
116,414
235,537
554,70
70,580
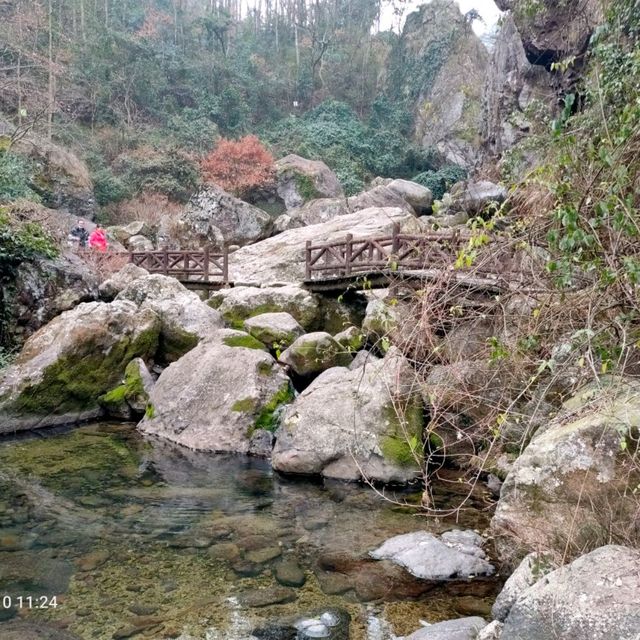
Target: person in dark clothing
80,233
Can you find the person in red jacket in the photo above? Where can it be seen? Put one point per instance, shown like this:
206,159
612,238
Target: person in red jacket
98,239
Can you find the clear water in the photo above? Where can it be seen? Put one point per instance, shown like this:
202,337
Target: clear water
135,535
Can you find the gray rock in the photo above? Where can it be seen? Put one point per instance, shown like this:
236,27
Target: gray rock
473,197
184,317
458,555
213,215
278,328
139,243
350,339
493,631
313,353
282,257
354,424
79,356
461,629
240,303
362,359
120,280
289,573
593,598
381,320
417,196
216,396
529,571
300,179
571,473
265,597
19,630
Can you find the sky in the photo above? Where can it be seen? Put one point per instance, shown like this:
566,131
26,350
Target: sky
486,8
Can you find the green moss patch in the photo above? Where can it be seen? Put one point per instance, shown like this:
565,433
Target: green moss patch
403,445
131,389
306,187
246,341
246,405
268,418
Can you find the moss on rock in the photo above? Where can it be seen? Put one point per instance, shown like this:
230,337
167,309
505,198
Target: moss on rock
243,340
268,418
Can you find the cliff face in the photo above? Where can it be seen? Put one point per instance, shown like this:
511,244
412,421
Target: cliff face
439,65
553,30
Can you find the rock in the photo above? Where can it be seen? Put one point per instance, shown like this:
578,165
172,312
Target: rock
593,598
261,556
381,320
468,339
515,92
289,573
350,424
554,32
445,221
529,571
279,329
185,319
66,366
43,289
265,597
140,243
562,489
313,353
224,551
261,444
124,233
493,631
456,554
119,281
213,217
351,339
240,303
300,180
216,396
93,560
362,359
448,64
130,398
418,197
22,630
461,629
343,312
282,258
474,197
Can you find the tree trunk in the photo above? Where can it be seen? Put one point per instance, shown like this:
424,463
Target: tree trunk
52,88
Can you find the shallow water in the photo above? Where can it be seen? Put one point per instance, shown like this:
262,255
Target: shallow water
137,535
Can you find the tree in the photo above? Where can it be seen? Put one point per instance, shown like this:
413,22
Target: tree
239,166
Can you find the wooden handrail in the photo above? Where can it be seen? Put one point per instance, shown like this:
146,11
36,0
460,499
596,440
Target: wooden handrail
185,265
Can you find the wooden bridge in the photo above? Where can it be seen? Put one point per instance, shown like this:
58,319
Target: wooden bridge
374,262
355,263
201,269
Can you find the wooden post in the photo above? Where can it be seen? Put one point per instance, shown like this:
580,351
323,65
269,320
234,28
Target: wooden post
165,262
185,265
395,247
130,256
225,264
205,264
348,252
307,260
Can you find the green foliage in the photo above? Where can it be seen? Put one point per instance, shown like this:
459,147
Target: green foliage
440,181
268,418
356,150
16,175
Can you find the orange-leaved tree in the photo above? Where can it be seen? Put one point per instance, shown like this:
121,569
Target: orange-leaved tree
238,166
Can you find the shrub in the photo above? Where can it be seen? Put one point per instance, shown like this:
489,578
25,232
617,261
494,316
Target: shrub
439,182
15,178
239,166
147,207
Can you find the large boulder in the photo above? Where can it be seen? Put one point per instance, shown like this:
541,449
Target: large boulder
238,304
300,180
45,288
66,366
279,329
218,396
185,318
454,554
461,629
282,258
417,196
214,216
120,280
593,598
315,352
473,197
365,423
573,478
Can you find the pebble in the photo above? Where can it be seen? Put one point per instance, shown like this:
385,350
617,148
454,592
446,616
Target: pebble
93,560
260,556
289,574
265,597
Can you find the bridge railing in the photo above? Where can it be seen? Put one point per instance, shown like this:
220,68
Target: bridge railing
398,252
186,266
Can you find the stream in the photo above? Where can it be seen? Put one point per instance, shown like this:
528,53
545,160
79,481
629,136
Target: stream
140,538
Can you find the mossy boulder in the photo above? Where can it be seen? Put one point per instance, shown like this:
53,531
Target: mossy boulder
315,352
275,330
70,363
577,476
130,398
351,339
185,319
218,396
300,180
354,424
240,303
